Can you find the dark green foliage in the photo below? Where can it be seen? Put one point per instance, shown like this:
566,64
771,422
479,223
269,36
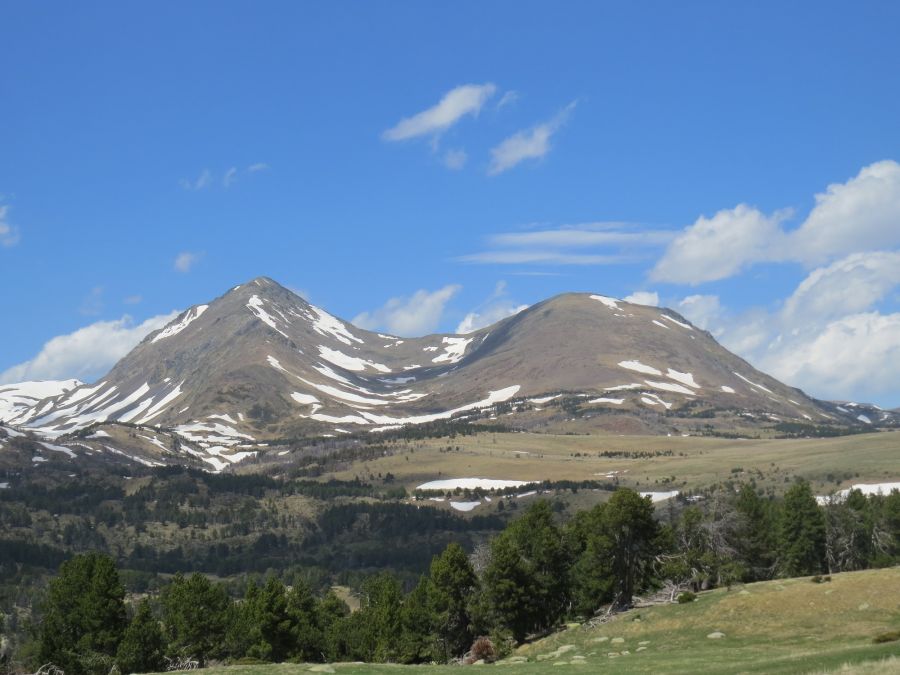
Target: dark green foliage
686,597
801,533
890,636
143,646
452,584
83,616
527,579
632,534
196,614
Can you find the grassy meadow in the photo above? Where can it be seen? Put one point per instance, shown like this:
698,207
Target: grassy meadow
784,626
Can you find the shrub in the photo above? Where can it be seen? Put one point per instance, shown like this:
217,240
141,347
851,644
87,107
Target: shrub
483,650
890,636
686,597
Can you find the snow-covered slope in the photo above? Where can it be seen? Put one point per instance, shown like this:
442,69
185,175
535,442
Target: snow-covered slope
260,363
17,399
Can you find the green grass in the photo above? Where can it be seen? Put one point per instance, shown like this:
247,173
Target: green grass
787,626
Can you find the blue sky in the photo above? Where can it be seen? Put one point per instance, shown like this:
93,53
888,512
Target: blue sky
463,159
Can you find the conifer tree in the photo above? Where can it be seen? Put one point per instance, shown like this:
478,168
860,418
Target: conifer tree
801,533
143,645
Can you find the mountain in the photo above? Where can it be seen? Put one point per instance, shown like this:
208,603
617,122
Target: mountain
18,399
260,363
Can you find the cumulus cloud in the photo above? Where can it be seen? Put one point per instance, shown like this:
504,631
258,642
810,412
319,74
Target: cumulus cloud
597,243
704,311
464,100
186,260
86,353
721,246
828,337
862,214
409,316
852,284
204,180
497,307
856,356
528,144
9,235
649,298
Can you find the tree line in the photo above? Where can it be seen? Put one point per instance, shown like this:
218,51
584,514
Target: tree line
531,576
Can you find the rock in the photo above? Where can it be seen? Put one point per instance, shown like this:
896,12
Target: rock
640,649
602,638
716,635
618,640
864,606
479,662
321,668
644,642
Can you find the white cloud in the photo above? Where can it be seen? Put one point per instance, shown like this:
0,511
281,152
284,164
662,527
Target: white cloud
497,307
855,357
564,245
649,298
721,246
862,214
92,305
455,159
9,235
409,316
204,180
508,98
464,100
186,260
86,353
133,300
704,311
531,143
229,177
545,258
258,166
852,284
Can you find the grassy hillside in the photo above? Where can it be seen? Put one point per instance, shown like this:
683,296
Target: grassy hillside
787,626
673,462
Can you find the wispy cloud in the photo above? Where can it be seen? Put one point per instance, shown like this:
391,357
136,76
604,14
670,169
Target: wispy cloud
498,306
92,305
455,159
9,235
203,181
229,177
415,315
528,144
597,243
258,166
186,260
133,300
508,98
467,99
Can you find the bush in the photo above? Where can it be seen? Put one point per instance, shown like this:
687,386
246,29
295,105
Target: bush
686,597
483,650
819,579
890,636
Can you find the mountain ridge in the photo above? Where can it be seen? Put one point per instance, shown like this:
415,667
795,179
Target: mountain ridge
260,363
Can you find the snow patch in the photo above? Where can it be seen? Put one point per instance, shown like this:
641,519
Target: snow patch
639,367
186,320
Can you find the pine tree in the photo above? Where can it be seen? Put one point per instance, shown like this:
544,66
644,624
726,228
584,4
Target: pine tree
417,639
142,647
196,614
756,534
527,579
307,631
84,616
452,584
801,533
632,531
